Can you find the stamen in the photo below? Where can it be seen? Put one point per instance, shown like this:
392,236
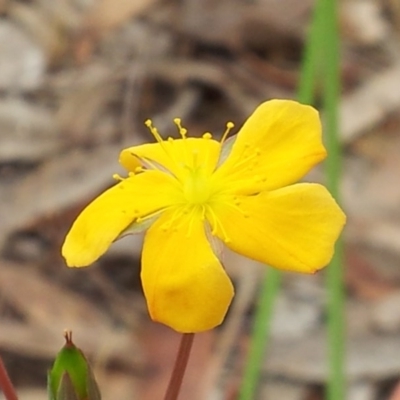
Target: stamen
236,207
229,126
191,219
153,130
176,216
182,131
207,135
118,177
249,160
165,145
215,223
151,215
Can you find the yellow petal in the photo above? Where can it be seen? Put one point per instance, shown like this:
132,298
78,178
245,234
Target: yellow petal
277,145
176,156
100,223
184,283
293,228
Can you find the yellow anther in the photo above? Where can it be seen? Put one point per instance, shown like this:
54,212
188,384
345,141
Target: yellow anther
138,169
165,144
182,131
153,130
118,177
229,126
207,135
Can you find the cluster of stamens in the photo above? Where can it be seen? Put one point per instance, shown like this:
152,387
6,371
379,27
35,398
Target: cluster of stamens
192,207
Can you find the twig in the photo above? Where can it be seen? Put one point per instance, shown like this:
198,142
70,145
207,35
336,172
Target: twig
6,384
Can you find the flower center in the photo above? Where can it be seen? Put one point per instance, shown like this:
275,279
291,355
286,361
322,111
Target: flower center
197,188
192,161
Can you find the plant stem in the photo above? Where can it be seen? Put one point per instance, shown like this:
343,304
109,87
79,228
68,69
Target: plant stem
5,383
311,64
261,329
181,361
336,296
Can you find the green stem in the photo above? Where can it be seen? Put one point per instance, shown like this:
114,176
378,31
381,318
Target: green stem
261,329
311,64
336,298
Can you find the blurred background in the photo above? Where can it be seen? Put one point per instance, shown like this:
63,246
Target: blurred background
77,80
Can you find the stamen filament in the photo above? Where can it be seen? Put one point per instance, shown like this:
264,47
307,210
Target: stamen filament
191,219
215,223
151,215
165,143
236,208
153,130
229,126
182,131
179,211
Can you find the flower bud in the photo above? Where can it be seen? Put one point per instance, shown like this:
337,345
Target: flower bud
71,377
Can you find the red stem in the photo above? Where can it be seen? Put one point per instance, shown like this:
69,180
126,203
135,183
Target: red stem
181,361
6,384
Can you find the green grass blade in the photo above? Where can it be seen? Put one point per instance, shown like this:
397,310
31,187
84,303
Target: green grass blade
311,67
261,328
335,281
271,285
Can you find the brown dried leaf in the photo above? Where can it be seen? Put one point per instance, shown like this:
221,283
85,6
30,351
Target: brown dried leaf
46,32
28,132
103,17
109,14
370,104
55,186
49,309
45,303
84,104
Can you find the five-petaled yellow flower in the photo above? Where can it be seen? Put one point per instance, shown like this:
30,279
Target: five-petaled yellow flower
187,192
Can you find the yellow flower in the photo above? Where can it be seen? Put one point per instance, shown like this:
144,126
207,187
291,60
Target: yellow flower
188,192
